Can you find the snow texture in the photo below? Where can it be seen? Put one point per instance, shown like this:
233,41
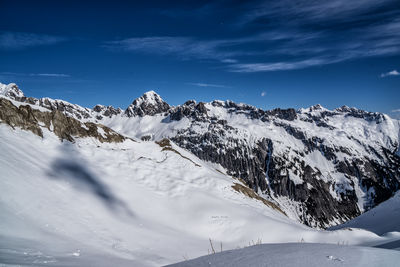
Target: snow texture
300,255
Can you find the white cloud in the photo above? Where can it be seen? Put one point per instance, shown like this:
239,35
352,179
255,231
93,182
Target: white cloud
22,40
229,60
50,75
56,75
263,93
275,66
396,110
182,47
390,73
209,85
311,10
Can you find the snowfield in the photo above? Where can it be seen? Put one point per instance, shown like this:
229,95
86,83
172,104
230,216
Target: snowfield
300,255
130,204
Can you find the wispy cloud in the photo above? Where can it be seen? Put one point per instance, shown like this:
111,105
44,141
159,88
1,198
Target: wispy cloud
263,93
208,85
22,40
390,73
183,47
321,32
62,75
229,60
274,66
55,75
309,10
316,33
396,110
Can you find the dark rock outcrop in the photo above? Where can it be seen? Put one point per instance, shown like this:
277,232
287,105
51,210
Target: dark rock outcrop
104,111
66,128
321,200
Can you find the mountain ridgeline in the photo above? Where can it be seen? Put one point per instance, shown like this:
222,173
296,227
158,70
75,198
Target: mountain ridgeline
321,167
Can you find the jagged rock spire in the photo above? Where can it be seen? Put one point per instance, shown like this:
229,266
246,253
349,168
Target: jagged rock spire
150,103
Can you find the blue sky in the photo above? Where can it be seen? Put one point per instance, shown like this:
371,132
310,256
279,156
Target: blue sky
289,53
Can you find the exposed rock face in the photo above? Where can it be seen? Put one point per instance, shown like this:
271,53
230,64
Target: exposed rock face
284,114
66,128
108,111
321,175
68,109
71,110
322,167
329,181
191,109
148,104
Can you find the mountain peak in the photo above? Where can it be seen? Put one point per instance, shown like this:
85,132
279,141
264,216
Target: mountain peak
346,109
11,90
151,92
150,97
317,107
150,103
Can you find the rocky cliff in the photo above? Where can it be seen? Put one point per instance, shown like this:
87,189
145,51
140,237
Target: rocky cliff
66,128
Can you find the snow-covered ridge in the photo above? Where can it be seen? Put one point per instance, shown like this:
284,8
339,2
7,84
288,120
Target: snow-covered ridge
10,90
66,128
152,99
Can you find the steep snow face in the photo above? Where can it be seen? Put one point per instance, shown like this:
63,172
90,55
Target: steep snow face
382,219
130,203
324,166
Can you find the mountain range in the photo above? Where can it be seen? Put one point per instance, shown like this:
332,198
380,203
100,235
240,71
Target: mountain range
323,167
100,180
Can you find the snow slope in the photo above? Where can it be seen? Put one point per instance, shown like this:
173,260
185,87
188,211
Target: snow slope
300,255
130,203
382,219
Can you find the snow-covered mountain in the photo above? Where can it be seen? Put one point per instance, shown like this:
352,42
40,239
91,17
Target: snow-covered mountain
78,193
322,167
104,186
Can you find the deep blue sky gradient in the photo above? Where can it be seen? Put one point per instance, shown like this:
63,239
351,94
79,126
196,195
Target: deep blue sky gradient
299,53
